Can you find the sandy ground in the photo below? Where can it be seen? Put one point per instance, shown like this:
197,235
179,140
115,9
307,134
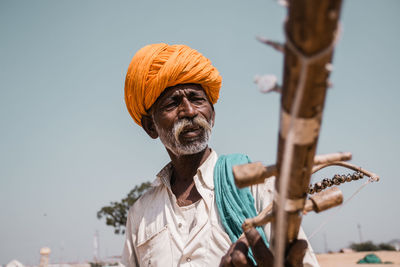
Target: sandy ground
350,259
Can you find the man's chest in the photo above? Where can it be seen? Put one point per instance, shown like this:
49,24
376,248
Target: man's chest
189,237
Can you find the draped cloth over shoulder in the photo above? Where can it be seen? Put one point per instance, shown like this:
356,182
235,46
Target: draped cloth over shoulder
156,67
234,204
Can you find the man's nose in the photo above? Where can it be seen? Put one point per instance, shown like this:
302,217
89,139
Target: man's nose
187,109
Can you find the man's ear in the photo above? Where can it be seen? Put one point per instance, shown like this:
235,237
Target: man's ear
149,127
213,117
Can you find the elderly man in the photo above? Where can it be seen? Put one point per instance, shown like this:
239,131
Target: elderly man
192,213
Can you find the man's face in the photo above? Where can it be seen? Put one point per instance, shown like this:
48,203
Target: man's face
183,118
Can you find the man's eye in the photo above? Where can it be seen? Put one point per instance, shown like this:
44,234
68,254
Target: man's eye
170,105
198,100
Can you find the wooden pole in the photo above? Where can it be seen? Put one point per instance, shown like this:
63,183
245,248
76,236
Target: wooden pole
311,28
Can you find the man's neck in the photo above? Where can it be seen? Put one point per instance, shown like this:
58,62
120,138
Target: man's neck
185,166
184,169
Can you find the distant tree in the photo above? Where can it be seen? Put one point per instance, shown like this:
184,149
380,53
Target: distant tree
364,246
117,212
369,246
386,246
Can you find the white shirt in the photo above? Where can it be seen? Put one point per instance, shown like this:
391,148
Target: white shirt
158,232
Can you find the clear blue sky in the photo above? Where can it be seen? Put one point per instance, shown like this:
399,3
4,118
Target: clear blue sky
68,146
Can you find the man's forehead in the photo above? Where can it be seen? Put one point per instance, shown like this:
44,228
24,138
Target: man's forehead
180,88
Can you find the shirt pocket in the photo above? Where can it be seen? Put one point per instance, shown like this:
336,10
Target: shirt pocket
155,249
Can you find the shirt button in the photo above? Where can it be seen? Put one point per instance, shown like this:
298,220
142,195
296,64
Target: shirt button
188,259
179,225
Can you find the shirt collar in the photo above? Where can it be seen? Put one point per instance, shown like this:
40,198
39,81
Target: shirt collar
205,172
164,176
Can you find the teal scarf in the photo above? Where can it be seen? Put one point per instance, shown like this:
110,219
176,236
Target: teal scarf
234,204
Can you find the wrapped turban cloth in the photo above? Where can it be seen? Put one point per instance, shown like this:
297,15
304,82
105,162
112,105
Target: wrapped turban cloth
156,67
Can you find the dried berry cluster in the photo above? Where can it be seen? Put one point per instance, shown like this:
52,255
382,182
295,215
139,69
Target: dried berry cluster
336,180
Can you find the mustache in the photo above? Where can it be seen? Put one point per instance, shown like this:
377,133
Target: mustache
197,121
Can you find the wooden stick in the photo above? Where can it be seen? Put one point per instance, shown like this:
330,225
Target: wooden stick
353,167
255,173
310,31
327,199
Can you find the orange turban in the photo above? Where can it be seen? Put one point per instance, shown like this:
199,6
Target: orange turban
156,67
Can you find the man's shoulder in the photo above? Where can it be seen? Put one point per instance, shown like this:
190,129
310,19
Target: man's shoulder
148,203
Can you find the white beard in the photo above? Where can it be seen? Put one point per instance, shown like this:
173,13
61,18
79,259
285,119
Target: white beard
171,139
